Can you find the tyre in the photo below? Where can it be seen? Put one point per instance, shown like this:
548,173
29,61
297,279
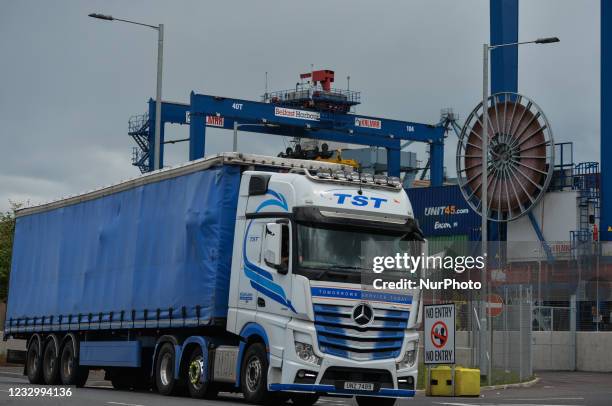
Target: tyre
195,369
34,362
369,401
164,371
71,373
50,364
304,399
254,374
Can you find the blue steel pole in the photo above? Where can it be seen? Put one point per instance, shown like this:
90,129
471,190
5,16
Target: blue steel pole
504,20
151,134
197,131
393,161
605,220
436,163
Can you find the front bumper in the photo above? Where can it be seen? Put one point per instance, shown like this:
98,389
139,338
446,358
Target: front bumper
332,390
330,374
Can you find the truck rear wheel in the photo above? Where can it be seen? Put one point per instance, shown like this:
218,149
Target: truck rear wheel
166,383
50,363
369,401
71,373
34,362
254,374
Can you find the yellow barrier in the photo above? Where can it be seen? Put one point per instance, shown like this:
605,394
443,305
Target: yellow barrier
467,382
440,382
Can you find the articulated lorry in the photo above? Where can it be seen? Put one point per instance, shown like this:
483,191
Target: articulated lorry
231,273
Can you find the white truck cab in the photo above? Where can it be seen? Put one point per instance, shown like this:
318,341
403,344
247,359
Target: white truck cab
296,285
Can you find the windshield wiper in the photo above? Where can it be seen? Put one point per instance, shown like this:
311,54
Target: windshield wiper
336,267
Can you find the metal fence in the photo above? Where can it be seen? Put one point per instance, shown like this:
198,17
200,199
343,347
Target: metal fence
540,307
496,339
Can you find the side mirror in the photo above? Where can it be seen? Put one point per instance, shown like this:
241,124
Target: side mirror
276,247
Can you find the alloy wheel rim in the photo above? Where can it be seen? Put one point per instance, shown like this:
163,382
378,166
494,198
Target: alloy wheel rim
253,374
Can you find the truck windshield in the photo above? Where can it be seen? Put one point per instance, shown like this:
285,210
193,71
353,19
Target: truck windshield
340,254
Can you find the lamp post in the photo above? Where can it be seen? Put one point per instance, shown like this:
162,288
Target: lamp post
486,48
158,92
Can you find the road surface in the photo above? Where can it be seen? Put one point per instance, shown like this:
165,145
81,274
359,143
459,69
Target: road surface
553,389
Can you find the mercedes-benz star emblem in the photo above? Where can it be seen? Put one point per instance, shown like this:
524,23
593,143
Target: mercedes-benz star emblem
363,314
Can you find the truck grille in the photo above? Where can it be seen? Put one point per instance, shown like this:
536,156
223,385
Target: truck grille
338,334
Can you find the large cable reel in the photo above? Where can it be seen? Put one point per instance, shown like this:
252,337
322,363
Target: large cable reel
520,160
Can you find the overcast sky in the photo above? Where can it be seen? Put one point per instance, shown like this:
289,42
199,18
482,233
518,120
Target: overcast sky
69,83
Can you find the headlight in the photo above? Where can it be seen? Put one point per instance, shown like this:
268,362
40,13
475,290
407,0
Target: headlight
408,360
305,352
409,356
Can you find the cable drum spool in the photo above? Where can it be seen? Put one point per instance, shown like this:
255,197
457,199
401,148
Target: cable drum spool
520,160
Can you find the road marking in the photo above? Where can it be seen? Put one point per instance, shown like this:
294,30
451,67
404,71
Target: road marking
500,404
123,404
546,399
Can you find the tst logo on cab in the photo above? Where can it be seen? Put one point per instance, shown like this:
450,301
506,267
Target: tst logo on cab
359,200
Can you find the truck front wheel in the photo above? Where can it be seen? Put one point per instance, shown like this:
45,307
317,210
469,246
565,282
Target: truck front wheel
34,362
166,383
369,401
69,370
254,374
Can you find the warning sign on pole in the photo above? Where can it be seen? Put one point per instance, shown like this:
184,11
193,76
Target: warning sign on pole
439,332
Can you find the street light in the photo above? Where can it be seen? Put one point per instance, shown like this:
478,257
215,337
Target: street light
158,93
485,165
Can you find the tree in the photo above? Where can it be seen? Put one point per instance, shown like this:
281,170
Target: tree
7,231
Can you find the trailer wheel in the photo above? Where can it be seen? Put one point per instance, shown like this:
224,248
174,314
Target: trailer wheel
50,363
304,399
254,374
369,401
71,373
34,362
164,371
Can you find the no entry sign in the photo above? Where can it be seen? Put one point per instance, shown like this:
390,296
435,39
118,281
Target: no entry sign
495,305
439,332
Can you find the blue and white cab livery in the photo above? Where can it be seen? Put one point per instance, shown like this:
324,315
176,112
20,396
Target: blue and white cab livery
296,284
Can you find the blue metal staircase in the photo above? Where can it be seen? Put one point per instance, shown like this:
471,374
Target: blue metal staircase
586,182
138,129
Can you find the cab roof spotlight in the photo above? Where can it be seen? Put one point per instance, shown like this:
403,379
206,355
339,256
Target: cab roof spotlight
339,175
394,181
380,179
353,176
367,178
